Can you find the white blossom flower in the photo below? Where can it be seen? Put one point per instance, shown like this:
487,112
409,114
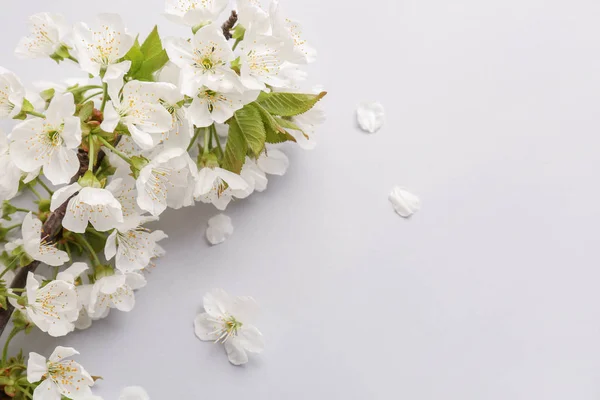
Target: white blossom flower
167,180
262,58
88,204
139,108
229,321
291,33
219,229
134,393
12,94
71,275
217,105
114,291
133,246
194,12
182,132
48,33
11,174
254,177
52,308
252,16
122,186
273,162
50,143
205,60
37,247
370,115
216,186
61,377
404,202
99,49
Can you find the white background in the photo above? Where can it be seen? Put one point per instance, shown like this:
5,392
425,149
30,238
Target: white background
490,292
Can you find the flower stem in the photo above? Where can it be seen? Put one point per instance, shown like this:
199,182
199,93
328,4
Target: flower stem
105,96
216,135
41,182
91,96
83,241
12,334
35,192
24,210
10,228
206,141
91,153
196,134
73,59
81,89
114,150
35,114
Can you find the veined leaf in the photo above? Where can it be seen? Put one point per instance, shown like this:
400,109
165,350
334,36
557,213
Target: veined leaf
275,132
235,150
288,104
253,128
152,45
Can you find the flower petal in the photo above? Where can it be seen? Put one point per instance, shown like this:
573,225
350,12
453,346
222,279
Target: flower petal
36,367
205,327
235,352
219,229
370,116
404,202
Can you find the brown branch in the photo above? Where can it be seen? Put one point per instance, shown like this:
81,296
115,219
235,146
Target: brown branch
228,25
51,231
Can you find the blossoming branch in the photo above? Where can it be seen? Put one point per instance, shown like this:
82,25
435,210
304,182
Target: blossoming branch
153,124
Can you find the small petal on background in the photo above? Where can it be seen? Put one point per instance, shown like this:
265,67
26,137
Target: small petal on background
404,202
219,229
370,116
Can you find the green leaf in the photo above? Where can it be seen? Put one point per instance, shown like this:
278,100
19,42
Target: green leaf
275,132
235,150
152,45
152,65
253,128
136,57
288,104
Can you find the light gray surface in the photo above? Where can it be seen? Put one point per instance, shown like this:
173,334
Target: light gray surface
490,292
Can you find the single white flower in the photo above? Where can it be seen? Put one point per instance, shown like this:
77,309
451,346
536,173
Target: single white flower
134,393
48,33
37,247
114,291
133,246
262,58
61,377
404,202
138,107
216,105
291,33
182,131
254,176
217,186
273,162
251,15
100,48
86,204
194,12
229,321
12,94
11,174
204,60
219,229
371,116
50,143
52,308
167,180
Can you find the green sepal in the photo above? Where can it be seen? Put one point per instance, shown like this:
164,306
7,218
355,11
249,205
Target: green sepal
137,164
238,32
85,111
48,94
89,180
25,108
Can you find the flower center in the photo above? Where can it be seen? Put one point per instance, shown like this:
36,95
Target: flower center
229,328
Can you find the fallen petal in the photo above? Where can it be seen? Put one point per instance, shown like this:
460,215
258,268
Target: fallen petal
370,116
219,229
404,202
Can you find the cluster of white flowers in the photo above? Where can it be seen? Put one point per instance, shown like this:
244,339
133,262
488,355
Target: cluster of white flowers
155,124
